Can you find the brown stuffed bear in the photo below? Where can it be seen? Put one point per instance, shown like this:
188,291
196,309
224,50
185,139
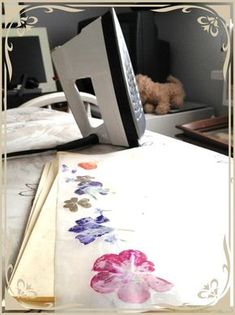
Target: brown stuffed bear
159,98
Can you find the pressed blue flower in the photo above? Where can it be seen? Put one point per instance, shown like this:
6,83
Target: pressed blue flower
89,229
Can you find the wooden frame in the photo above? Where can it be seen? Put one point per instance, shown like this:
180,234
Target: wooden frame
213,131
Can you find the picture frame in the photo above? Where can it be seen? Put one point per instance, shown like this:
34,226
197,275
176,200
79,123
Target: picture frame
214,131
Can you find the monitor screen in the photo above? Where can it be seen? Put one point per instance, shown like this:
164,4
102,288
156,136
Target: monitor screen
30,57
23,47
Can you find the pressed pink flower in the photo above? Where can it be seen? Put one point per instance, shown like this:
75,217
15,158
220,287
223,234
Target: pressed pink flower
129,274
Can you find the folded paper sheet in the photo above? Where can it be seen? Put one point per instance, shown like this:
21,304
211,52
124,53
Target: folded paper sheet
134,229
32,280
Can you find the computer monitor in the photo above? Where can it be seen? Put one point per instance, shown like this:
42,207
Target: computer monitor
30,58
100,53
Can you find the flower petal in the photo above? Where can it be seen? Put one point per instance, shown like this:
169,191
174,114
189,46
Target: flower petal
88,165
77,229
146,266
137,256
158,284
95,184
108,262
133,293
79,191
85,239
105,282
101,219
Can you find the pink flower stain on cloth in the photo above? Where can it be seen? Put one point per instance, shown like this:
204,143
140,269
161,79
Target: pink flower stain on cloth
129,274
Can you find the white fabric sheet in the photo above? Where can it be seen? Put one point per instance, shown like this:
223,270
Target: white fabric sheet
190,188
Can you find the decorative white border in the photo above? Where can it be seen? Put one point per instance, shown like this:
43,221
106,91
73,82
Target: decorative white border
209,24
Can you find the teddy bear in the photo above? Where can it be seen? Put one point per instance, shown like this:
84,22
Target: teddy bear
159,98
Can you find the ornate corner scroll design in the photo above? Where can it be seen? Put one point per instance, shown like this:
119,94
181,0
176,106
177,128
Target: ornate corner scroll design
25,289
210,293
211,23
211,290
27,22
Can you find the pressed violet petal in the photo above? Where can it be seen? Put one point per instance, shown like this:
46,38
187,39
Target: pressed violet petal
79,191
101,219
133,293
103,191
105,282
108,262
98,184
89,226
158,284
85,221
85,239
77,229
137,256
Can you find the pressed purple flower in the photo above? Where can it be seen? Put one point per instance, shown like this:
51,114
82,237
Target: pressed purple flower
89,229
